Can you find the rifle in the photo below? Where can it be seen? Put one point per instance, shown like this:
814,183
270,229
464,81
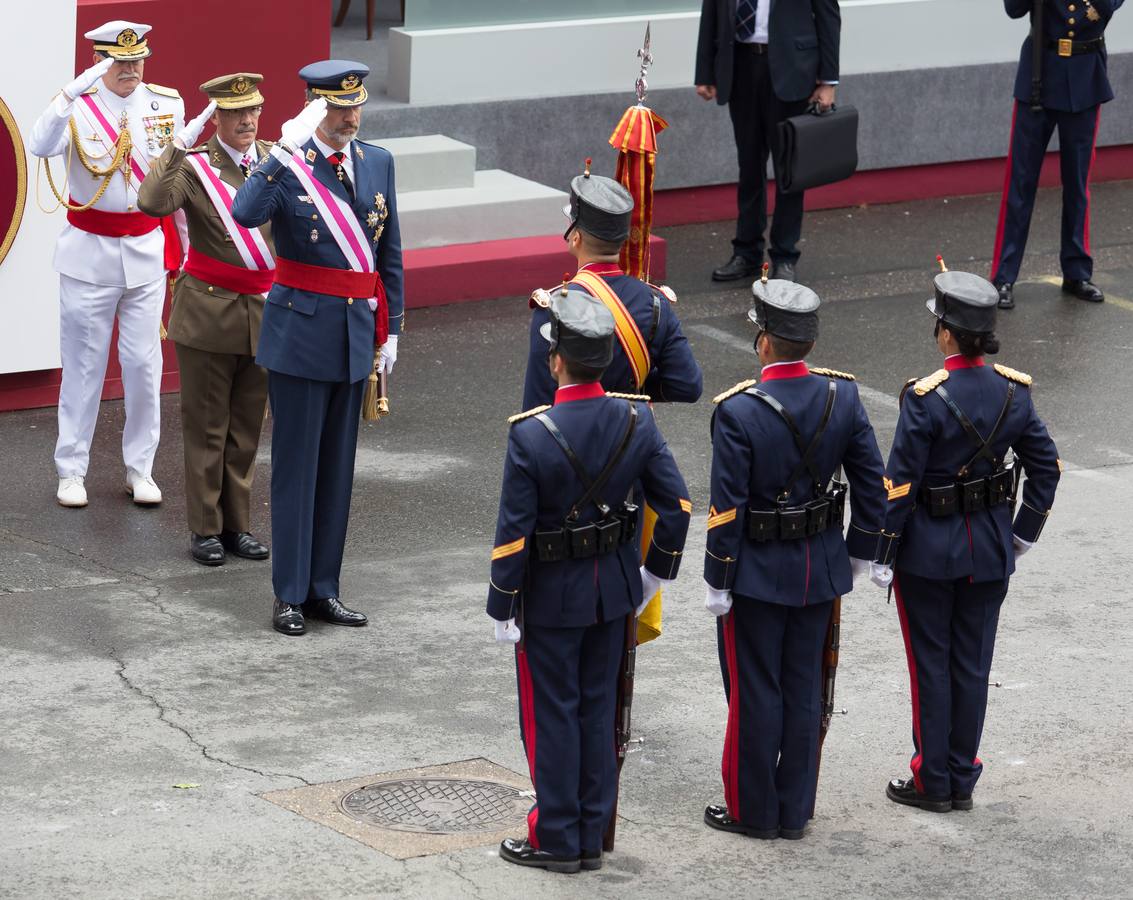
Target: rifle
1037,56
829,676
622,720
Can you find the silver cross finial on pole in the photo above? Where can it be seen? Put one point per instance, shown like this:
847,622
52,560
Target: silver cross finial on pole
646,57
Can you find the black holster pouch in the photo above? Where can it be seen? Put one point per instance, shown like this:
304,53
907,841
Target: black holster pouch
942,501
551,546
1000,486
792,523
609,534
763,525
583,541
629,515
973,494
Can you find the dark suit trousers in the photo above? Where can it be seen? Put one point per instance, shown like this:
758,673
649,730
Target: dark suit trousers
313,443
773,680
949,630
223,398
567,694
756,113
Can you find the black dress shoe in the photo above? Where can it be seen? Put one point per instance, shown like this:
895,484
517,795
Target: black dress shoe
287,619
520,852
244,544
206,549
330,610
736,268
1083,290
792,834
591,860
962,802
784,271
717,817
904,791
1006,295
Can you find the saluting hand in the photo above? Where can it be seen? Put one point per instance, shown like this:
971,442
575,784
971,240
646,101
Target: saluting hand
296,132
87,79
188,135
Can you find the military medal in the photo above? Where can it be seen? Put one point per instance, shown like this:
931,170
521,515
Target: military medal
1092,14
314,235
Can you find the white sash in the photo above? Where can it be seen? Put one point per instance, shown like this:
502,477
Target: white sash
338,216
102,121
249,242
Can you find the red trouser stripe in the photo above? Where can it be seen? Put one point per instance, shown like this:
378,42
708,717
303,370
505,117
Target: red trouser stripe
914,690
995,256
1089,171
527,714
730,764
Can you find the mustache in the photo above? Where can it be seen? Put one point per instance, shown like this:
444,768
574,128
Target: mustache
245,129
128,76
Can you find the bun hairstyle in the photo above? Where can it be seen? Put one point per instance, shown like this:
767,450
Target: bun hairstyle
977,344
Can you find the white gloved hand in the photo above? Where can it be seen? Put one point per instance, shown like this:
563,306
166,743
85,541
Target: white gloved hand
296,132
717,602
1021,546
188,135
87,79
388,354
880,575
506,632
858,567
650,585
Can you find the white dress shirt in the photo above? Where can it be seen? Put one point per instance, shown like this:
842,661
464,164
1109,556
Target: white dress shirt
252,153
347,162
762,11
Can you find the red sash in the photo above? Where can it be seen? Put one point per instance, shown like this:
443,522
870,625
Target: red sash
337,283
228,276
112,224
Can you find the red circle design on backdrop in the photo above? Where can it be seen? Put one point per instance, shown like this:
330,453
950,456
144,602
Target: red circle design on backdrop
13,179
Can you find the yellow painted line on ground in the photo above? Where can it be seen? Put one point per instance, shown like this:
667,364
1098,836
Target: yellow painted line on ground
1109,298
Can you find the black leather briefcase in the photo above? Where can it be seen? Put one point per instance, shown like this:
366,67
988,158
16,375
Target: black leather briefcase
817,148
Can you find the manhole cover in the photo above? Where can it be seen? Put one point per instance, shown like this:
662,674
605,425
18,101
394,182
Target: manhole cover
438,805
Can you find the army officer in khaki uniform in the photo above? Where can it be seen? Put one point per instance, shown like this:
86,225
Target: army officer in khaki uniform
218,304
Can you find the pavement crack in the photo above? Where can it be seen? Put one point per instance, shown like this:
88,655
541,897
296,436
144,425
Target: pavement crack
163,716
457,869
121,573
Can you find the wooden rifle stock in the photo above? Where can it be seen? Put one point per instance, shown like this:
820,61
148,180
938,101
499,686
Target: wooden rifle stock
829,677
622,728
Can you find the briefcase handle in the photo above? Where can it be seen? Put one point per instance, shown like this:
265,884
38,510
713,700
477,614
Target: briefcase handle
815,110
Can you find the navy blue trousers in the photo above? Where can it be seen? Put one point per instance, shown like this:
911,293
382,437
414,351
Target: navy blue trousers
772,665
567,697
949,630
1030,134
313,442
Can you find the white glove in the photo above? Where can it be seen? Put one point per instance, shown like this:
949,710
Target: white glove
1021,546
388,354
86,79
719,603
880,575
188,135
506,632
296,132
650,585
858,567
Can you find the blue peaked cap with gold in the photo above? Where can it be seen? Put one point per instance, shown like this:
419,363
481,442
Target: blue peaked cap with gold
338,81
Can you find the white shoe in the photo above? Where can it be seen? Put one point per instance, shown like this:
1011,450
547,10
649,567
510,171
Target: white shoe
142,488
71,492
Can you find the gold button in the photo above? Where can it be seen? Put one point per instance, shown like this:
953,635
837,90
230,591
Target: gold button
269,178
1070,20
1072,7
1070,34
349,301
289,304
129,206
210,288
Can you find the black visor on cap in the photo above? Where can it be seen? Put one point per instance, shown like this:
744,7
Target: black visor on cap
965,302
581,328
786,310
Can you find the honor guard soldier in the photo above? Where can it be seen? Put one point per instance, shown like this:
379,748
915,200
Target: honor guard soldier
337,298
111,257
1060,85
567,577
949,533
652,356
777,557
218,303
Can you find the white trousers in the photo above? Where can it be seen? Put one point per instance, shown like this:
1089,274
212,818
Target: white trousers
86,323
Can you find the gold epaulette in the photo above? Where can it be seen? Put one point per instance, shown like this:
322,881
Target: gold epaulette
519,417
91,90
643,397
905,390
164,91
832,373
540,297
1014,374
201,149
664,290
733,390
930,382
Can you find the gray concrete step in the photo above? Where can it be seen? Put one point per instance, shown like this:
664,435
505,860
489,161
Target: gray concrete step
430,162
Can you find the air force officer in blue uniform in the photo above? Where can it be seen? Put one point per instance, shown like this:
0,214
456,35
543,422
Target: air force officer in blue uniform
338,284
777,557
567,578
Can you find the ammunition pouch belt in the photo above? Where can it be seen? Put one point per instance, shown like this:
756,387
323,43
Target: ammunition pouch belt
969,496
575,541
789,523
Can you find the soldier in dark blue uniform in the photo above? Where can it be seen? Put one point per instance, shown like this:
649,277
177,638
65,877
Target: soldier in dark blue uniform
566,571
1065,94
777,557
652,355
949,533
337,298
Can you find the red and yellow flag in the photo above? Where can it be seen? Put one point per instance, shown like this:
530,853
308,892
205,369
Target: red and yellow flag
635,139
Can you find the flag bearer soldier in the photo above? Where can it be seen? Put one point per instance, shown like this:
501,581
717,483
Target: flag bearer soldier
567,577
333,314
1064,92
215,324
950,536
652,355
111,257
777,557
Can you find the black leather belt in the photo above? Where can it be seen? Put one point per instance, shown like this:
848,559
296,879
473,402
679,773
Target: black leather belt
1067,47
757,49
968,496
574,541
796,522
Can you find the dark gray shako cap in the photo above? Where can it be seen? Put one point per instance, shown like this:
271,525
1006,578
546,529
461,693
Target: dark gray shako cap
964,301
581,328
599,206
785,309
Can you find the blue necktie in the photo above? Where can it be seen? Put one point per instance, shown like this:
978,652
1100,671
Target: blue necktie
745,19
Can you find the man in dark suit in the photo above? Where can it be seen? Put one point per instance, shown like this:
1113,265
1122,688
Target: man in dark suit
333,210
567,577
768,60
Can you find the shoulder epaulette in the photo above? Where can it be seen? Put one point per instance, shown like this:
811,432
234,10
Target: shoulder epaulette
930,382
664,290
643,397
91,90
733,390
201,149
527,414
905,390
832,373
1013,374
164,91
